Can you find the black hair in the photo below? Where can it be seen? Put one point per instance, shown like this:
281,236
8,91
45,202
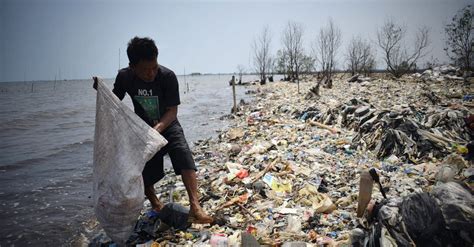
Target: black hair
141,49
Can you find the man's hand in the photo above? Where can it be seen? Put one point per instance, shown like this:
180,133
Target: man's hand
96,80
167,119
159,127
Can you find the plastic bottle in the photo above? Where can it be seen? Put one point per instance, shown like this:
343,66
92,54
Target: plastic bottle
219,240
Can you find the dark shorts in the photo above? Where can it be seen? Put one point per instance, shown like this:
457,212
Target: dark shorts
179,152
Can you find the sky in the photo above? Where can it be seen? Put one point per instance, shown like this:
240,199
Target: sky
72,39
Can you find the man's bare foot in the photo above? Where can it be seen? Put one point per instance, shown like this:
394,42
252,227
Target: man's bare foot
155,202
198,216
158,206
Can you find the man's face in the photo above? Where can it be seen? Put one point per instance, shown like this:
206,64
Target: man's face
146,70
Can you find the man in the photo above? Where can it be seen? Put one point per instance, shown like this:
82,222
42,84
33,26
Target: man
154,92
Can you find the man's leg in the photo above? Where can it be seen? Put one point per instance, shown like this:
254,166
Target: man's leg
152,173
183,163
151,195
196,214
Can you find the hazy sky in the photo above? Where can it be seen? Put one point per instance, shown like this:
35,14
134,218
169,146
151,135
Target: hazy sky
72,39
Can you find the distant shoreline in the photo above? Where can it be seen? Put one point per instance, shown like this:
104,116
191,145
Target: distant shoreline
376,71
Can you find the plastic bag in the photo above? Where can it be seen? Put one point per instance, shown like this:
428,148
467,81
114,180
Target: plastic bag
175,215
123,143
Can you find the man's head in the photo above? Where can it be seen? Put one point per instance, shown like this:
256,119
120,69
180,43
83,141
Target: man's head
142,55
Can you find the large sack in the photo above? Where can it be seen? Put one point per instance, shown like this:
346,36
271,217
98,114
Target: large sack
123,143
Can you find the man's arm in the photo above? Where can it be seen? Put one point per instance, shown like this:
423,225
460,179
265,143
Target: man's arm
171,102
167,119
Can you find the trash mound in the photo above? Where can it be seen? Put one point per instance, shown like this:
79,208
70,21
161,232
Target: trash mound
444,72
277,176
406,131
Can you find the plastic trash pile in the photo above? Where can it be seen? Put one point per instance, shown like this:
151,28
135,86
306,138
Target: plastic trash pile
441,73
405,131
286,172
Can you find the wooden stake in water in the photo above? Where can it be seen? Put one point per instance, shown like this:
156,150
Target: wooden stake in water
185,82
234,109
298,80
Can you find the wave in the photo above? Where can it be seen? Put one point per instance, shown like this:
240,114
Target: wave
67,148
29,120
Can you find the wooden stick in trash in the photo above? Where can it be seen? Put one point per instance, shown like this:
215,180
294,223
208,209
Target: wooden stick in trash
262,173
323,126
246,210
272,121
239,199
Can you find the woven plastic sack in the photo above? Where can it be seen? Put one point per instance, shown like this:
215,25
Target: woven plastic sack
123,143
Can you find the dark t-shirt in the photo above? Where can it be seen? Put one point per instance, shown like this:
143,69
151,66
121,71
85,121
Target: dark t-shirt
150,99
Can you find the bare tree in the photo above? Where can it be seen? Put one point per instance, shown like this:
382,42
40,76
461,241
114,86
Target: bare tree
460,38
307,64
326,46
282,64
397,57
262,57
292,40
240,72
360,57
